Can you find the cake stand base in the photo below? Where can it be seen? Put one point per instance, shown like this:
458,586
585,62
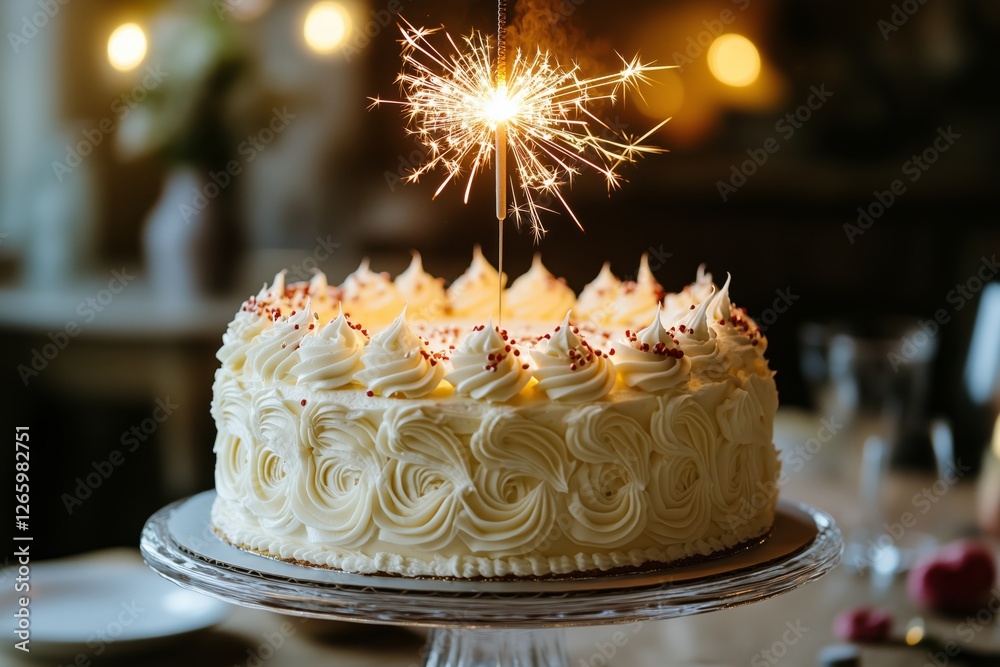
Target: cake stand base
488,623
459,647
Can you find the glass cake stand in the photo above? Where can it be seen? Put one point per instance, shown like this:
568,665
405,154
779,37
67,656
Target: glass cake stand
488,623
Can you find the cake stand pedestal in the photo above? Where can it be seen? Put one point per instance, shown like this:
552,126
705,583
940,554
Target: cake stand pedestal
514,623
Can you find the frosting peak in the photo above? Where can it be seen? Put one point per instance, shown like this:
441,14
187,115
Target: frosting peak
486,366
538,295
569,370
474,293
596,302
369,297
276,350
636,297
651,359
424,294
397,362
330,357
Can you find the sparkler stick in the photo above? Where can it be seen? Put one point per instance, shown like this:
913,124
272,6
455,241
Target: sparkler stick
501,146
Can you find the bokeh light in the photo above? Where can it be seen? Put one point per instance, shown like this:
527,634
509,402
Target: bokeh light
326,26
126,47
733,59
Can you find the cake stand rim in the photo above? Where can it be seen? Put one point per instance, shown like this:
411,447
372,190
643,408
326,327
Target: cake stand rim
572,603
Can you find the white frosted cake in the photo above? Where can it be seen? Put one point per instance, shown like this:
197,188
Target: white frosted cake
396,427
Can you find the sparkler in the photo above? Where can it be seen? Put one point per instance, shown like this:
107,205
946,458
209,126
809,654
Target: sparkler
466,108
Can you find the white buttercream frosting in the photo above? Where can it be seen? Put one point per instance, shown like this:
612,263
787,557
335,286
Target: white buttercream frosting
596,302
449,458
330,356
475,294
370,298
569,369
650,359
538,296
636,298
486,366
275,352
397,362
424,294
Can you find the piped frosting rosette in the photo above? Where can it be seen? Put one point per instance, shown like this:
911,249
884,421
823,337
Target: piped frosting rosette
397,362
487,366
569,370
651,360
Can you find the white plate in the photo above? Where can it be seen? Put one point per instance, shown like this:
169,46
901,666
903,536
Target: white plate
95,608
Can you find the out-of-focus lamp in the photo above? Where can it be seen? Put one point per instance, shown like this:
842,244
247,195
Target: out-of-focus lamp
733,59
326,26
126,47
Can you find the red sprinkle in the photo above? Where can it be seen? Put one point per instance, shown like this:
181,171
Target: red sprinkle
370,393
302,402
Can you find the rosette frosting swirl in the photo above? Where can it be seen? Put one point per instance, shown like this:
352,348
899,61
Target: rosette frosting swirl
569,370
331,357
607,494
486,367
273,463
397,362
538,296
685,436
336,494
275,353
240,336
596,302
424,294
524,472
651,360
474,294
425,478
370,298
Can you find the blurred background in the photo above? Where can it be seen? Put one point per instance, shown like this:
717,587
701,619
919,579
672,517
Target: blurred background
159,161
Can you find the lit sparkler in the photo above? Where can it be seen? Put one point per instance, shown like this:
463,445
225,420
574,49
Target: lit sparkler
466,108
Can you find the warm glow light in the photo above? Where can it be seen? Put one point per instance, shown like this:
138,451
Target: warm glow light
126,47
914,634
734,60
542,115
499,108
326,26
